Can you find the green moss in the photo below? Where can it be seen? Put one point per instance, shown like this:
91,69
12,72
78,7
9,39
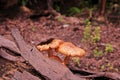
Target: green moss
87,31
76,61
96,35
33,28
60,19
108,48
97,52
102,67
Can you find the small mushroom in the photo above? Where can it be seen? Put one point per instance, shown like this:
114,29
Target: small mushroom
70,50
43,47
66,48
56,43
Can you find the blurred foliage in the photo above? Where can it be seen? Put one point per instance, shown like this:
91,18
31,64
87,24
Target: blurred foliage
23,2
73,10
57,8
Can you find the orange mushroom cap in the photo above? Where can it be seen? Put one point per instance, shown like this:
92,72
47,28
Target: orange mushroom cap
43,47
69,49
65,48
55,43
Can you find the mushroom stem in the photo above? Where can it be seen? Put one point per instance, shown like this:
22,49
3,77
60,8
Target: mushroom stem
50,55
66,60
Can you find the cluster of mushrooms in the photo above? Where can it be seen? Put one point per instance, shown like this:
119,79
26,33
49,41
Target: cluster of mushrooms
66,48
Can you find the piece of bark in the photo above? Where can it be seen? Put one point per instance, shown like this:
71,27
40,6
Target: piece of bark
9,57
10,45
24,76
93,74
45,66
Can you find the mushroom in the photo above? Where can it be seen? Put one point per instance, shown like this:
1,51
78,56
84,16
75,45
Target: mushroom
66,48
43,47
70,50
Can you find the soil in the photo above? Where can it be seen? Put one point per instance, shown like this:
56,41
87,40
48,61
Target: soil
69,29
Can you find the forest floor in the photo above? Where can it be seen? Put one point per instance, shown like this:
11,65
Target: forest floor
70,29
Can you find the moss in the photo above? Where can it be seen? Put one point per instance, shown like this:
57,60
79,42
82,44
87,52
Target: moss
96,35
97,52
108,48
87,31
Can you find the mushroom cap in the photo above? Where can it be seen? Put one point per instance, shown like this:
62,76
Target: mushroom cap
43,47
70,49
55,43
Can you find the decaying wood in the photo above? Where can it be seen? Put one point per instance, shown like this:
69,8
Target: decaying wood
9,45
45,66
9,57
24,76
6,44
93,74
